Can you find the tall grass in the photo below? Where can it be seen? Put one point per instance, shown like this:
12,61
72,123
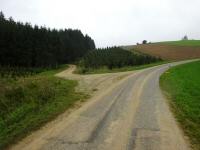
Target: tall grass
26,103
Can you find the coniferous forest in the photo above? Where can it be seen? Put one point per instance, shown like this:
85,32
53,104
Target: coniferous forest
115,57
24,45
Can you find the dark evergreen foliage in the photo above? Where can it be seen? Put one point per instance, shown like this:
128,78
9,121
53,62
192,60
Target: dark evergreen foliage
22,45
144,42
115,57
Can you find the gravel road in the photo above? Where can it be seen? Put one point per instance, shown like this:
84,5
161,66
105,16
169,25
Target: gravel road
131,114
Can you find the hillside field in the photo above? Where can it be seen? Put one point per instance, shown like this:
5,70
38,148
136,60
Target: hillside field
172,50
183,43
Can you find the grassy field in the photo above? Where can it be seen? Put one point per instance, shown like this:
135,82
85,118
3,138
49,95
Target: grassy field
182,85
27,103
183,43
122,69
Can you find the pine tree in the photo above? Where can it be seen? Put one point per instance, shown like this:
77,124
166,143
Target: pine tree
22,45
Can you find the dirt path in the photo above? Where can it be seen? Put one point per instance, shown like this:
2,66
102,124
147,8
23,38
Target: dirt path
93,84
125,114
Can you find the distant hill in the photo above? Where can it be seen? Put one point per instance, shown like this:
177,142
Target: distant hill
170,50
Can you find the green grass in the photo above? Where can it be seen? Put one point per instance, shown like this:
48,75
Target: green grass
28,103
182,85
54,71
114,70
183,43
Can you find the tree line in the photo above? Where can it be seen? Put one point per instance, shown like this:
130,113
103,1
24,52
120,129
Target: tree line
115,57
24,45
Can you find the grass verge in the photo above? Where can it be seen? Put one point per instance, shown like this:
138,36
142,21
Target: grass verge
182,85
114,70
28,103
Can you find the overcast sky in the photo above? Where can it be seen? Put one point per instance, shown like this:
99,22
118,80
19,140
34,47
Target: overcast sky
112,22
